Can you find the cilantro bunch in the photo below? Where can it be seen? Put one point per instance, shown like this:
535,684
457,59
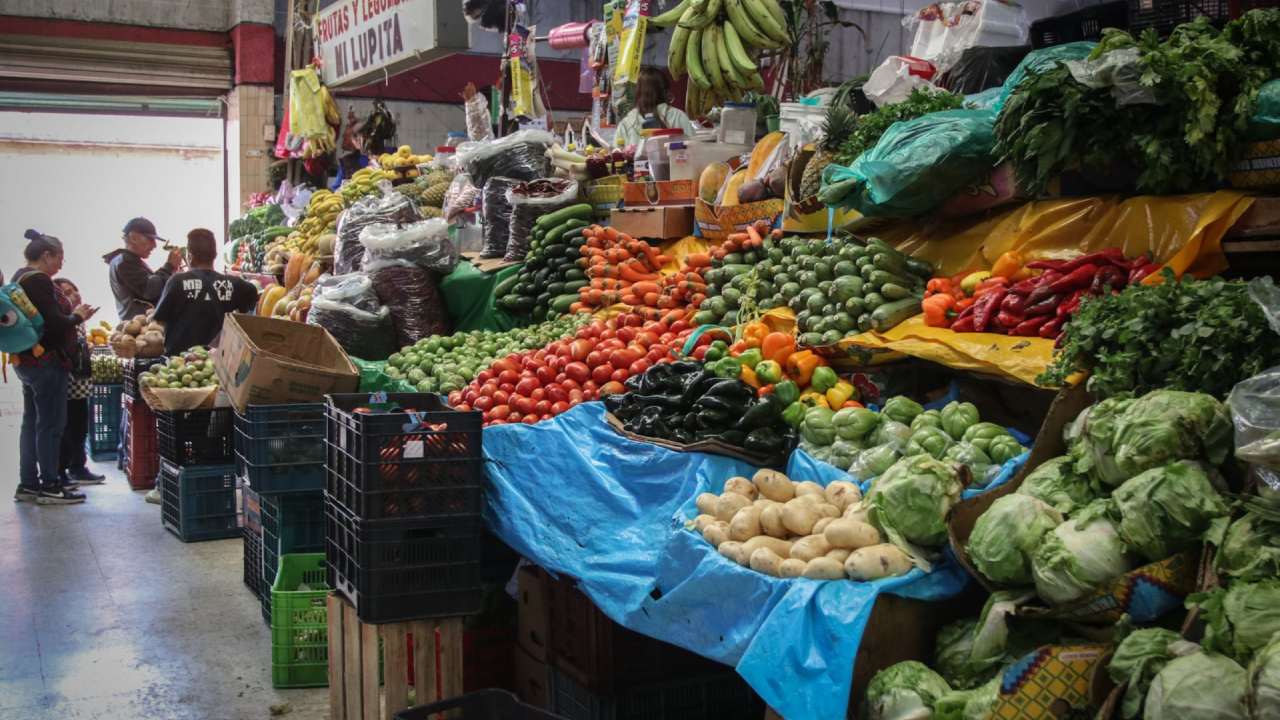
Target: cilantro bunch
1193,335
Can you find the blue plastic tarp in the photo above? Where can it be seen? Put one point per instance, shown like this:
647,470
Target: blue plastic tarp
579,499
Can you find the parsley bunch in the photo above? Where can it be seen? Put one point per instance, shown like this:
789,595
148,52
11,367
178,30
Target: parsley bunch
868,129
1193,335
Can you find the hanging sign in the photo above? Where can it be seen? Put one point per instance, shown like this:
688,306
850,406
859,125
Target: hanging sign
359,42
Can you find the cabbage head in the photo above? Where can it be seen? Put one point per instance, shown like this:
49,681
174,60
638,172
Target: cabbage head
1056,482
1078,556
975,704
1007,534
1166,510
1138,658
909,502
1167,425
952,650
906,691
1241,618
1091,441
1262,686
1199,686
1250,549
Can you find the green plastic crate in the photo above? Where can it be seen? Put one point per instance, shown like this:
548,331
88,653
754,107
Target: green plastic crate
300,623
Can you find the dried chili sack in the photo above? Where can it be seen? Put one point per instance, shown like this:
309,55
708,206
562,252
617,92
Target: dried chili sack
496,212
413,296
530,201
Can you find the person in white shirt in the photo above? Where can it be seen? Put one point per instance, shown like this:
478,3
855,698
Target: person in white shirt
652,110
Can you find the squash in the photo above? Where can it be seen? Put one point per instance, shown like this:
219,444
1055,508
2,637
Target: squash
293,269
270,298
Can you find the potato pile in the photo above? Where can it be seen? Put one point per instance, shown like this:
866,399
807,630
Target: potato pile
139,337
788,529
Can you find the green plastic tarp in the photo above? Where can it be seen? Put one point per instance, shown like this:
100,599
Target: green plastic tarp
1265,122
469,294
374,378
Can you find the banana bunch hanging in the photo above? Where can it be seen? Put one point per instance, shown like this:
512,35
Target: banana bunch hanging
716,42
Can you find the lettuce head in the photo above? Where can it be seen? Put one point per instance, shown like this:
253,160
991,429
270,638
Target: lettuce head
1007,534
1078,556
1241,618
1262,685
1199,686
905,691
909,502
1057,483
1166,510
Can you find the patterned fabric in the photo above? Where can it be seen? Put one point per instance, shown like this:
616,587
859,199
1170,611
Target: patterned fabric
79,388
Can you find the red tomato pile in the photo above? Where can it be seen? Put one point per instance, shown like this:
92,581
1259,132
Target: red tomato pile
539,384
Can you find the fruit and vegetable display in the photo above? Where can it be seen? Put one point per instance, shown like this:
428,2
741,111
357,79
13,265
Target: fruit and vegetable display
445,363
364,181
717,45
553,271
99,335
788,529
596,163
688,402
191,369
106,370
762,177
428,191
251,235
866,443
139,337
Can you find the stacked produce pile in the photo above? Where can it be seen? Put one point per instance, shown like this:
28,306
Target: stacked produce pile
403,164
107,370
311,241
139,337
363,182
99,335
191,369
553,271
252,234
429,192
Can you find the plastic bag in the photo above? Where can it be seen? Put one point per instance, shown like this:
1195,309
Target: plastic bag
896,77
425,244
943,31
1264,124
981,68
361,332
497,216
352,289
1255,402
460,197
520,155
530,201
413,296
1120,70
919,163
391,208
1039,61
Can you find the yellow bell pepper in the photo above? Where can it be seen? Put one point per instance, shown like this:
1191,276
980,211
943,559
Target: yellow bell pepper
753,333
840,394
813,398
749,377
970,282
800,366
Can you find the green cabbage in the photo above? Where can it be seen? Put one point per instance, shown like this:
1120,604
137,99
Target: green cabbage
1250,549
1057,483
969,652
1007,534
1262,685
1091,440
1199,686
905,691
1241,618
952,652
975,704
1138,658
1078,556
909,502
1166,510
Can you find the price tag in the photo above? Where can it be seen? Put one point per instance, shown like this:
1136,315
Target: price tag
413,450
377,398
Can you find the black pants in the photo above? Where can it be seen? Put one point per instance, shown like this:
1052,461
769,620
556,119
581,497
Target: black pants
73,437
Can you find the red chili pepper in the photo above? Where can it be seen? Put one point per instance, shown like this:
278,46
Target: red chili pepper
967,312
1042,289
1108,278
985,308
1046,306
1081,277
1014,304
1138,273
1025,287
1031,326
964,324
990,284
1007,320
1046,264
1051,329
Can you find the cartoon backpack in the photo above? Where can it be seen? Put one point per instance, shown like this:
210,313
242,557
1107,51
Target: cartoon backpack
20,321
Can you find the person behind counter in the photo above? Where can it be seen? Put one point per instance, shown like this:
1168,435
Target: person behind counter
652,111
195,302
135,287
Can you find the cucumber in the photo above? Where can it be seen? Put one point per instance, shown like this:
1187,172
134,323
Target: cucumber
555,251
733,270
894,291
516,304
921,268
872,301
574,273
555,288
506,286
880,277
560,305
573,286
553,236
542,300
890,314
581,211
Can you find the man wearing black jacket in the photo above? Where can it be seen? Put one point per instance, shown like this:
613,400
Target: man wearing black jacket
135,287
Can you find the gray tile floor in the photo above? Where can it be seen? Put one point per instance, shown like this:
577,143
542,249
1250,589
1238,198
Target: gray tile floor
104,614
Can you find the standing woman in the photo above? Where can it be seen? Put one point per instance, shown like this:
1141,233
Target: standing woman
74,466
43,371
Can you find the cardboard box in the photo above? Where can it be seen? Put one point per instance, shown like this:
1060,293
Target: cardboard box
1054,681
270,361
533,680
718,222
670,222
659,192
533,618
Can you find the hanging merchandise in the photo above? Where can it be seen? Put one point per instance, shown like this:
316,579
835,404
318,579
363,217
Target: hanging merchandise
635,20
522,66
476,109
377,129
313,115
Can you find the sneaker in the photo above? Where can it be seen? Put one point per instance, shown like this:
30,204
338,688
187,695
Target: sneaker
153,497
25,494
61,496
64,480
84,476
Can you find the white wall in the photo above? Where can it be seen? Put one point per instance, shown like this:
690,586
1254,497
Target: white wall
81,177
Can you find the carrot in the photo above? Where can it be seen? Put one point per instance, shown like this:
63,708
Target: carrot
697,299
753,236
611,234
694,277
576,307
651,298
645,287
629,271
630,299
698,260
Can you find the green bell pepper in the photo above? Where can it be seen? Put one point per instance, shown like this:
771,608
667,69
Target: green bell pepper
928,441
716,351
787,391
1003,448
817,427
855,423
770,373
957,417
727,367
824,378
902,409
928,418
750,358
794,414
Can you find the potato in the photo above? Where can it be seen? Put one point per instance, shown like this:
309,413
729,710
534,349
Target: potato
798,517
706,503
773,485
821,525
716,532
781,548
728,505
766,561
823,568
810,547
877,561
791,568
811,499
733,551
740,485
827,510
763,503
851,534
809,487
745,524
839,555
842,494
771,521
858,511
701,522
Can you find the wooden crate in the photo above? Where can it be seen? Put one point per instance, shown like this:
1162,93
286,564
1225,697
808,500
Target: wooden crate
355,657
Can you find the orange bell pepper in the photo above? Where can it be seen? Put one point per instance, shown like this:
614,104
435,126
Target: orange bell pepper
800,366
748,376
938,285
935,309
754,333
778,346
1008,264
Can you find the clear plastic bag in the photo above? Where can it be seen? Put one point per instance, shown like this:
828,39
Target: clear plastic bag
873,461
1120,71
1255,403
413,296
391,208
520,155
364,333
530,201
352,289
425,244
497,216
460,197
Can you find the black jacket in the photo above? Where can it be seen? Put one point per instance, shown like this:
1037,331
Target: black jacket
136,288
59,335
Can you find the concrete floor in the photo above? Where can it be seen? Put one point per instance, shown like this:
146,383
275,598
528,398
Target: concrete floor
105,614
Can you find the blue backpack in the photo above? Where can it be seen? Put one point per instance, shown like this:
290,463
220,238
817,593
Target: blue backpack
20,322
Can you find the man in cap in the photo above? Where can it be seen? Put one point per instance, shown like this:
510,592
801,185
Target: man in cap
135,287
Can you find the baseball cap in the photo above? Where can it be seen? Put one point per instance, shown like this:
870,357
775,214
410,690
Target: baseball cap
142,226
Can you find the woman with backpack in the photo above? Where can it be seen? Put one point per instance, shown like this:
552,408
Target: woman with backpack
44,372
74,466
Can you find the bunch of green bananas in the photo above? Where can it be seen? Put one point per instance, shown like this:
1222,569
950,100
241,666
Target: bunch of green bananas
716,42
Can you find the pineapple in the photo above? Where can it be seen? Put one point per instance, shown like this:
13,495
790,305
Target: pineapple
836,126
428,212
434,196
435,177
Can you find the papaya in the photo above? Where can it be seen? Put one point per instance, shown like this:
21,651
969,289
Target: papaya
711,180
763,149
731,188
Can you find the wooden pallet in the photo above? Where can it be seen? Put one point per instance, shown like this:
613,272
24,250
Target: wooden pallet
354,692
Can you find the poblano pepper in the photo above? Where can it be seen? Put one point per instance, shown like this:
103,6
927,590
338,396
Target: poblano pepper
957,417
765,441
761,413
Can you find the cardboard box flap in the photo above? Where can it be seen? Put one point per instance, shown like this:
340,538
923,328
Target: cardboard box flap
296,342
265,361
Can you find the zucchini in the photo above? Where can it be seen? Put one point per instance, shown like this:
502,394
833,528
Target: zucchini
574,273
894,291
506,286
880,277
872,301
581,211
554,236
890,314
560,305
555,288
864,322
517,304
573,286
919,267
557,250
542,300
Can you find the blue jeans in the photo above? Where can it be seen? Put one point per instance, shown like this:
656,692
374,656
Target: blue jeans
44,415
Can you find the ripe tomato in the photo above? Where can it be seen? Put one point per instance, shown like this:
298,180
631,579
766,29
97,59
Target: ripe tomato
619,375
483,403
678,326
596,358
527,386
611,344
469,395
508,387
506,363
638,367
455,397
542,407
590,386
626,334
569,383
580,349
557,363
577,372
623,357
545,374
557,393
501,397
462,407
514,417
538,394
576,396
612,388
500,412
557,408
530,419
601,373
508,376
646,338
485,376
523,405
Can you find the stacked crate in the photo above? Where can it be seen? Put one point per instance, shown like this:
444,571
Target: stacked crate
141,461
199,491
105,404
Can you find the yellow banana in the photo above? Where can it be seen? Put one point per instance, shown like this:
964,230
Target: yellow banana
694,18
732,78
737,53
675,54
672,16
693,60
711,58
762,15
747,30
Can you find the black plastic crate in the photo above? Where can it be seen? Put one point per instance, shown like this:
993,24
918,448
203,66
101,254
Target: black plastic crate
291,523
1084,24
199,502
398,463
393,570
480,705
724,696
1164,15
253,563
281,434
196,437
134,367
